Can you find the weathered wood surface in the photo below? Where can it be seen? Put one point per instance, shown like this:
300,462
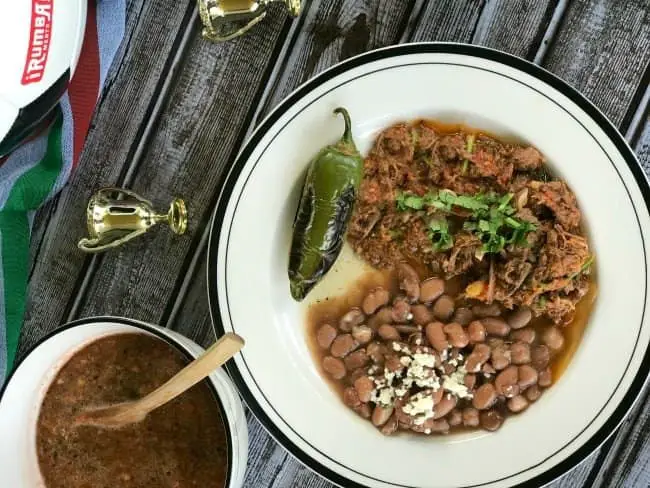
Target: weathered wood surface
177,110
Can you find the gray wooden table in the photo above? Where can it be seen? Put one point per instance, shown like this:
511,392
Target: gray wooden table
176,110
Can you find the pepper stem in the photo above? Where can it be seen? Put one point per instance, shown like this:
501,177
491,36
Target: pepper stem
347,133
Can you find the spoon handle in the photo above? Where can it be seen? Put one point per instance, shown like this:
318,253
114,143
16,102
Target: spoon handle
200,368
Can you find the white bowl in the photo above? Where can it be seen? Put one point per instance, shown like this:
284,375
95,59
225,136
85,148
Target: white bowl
21,397
249,289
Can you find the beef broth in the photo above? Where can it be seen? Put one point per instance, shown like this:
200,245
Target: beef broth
181,444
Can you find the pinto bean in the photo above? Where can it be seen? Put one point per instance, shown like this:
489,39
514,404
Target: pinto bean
476,331
527,376
517,404
383,316
334,367
351,397
533,393
362,334
520,318
463,316
553,338
545,377
356,359
446,405
378,297
457,335
484,397
343,345
436,336
421,314
390,427
507,382
479,355
353,317
495,326
455,418
364,387
488,369
501,357
393,363
440,426
470,417
364,410
443,308
431,289
409,281
388,333
470,381
325,336
520,352
491,420
401,311
407,329
381,414
540,356
437,395
376,351
526,335
357,373
483,310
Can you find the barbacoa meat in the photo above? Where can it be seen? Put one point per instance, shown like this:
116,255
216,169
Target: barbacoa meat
549,272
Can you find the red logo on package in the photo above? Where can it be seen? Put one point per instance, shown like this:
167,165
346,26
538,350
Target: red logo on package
39,41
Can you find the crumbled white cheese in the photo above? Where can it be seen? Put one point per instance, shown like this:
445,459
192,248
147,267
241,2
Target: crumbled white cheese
405,360
400,392
396,347
384,396
428,360
389,375
418,341
420,407
444,354
409,316
427,431
455,383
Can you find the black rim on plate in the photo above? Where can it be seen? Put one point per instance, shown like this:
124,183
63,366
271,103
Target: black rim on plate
152,330
641,376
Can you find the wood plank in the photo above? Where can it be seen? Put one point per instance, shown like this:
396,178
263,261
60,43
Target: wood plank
153,27
336,31
198,133
447,21
628,460
515,26
602,49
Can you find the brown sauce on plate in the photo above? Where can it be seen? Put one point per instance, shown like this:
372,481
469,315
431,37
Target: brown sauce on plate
181,444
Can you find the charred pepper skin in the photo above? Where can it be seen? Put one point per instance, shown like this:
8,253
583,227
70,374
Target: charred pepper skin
328,197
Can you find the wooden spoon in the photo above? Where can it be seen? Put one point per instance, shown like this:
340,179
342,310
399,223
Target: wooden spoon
118,415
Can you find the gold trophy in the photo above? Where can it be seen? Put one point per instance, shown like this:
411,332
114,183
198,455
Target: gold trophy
226,19
115,216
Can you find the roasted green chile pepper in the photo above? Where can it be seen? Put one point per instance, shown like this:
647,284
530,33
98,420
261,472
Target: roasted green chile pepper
328,196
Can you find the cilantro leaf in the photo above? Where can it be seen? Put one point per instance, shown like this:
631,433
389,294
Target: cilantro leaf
438,230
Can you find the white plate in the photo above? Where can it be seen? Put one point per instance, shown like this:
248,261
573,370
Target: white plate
249,289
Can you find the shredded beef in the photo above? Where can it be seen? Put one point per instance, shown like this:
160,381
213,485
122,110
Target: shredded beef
549,272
